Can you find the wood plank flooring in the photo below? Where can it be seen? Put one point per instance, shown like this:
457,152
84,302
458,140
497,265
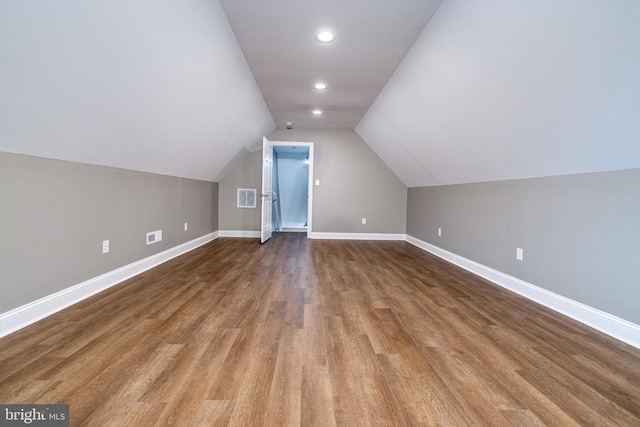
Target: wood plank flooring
318,333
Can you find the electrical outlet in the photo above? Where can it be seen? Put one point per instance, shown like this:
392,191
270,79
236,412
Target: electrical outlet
186,226
364,220
105,246
519,254
317,182
439,231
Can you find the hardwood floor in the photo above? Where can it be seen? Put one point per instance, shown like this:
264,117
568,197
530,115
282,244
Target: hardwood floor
298,332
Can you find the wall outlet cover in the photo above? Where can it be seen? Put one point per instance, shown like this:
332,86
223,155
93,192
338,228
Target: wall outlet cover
186,226
519,254
364,220
105,246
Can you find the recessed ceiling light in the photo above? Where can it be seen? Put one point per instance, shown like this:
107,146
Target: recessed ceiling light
320,86
325,37
316,112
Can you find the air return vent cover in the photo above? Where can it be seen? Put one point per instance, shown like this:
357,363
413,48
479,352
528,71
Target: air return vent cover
246,197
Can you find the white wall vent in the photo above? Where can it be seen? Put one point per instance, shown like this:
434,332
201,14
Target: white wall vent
246,197
154,237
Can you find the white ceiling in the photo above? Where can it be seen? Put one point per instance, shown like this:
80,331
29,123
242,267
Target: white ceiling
277,38
504,89
490,90
152,86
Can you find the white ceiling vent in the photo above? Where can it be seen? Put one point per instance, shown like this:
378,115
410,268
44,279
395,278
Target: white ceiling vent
246,197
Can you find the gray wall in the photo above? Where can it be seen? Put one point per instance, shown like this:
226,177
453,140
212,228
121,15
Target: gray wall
55,215
246,175
580,233
354,183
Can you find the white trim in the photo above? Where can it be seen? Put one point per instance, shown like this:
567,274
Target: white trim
609,324
357,236
240,233
27,314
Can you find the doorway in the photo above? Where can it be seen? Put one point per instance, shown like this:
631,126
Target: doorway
291,186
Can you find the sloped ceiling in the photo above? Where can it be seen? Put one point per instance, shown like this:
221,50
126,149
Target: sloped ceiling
504,89
490,90
144,85
277,39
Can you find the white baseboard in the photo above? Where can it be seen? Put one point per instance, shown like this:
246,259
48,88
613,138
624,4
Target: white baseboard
27,314
357,236
240,233
609,324
321,235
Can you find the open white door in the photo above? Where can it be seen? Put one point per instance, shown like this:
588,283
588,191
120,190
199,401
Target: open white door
266,194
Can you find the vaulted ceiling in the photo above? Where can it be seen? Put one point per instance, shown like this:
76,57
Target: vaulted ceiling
277,39
155,86
463,91
508,89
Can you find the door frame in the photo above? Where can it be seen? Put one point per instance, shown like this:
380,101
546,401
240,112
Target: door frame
310,145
